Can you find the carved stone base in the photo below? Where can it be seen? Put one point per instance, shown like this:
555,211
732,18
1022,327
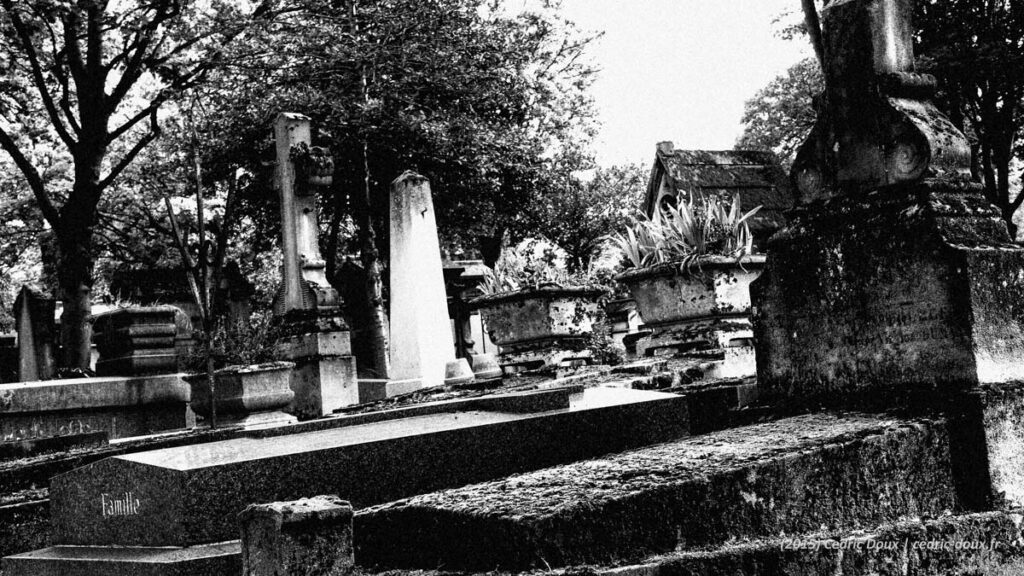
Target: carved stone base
485,367
905,297
324,378
909,287
458,373
546,353
695,334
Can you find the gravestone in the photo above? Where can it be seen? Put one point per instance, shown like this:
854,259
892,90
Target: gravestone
896,283
422,345
33,317
315,337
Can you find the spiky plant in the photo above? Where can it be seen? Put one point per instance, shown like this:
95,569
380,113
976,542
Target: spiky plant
695,227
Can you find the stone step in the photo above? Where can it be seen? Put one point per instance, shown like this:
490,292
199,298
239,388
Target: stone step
218,559
789,476
980,543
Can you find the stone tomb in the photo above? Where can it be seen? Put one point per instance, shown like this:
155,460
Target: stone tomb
896,284
191,495
120,406
139,340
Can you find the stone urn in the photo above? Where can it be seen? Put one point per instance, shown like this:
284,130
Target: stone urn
546,326
249,396
705,305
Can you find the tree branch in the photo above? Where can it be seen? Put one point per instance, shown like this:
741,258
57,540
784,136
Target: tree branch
154,132
37,74
35,182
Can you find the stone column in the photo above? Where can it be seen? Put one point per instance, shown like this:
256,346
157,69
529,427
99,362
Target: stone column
315,337
896,284
422,345
33,316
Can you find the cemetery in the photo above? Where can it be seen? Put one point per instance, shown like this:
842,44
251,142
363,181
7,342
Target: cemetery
343,357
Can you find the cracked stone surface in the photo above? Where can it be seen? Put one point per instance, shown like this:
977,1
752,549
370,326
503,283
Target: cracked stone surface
789,476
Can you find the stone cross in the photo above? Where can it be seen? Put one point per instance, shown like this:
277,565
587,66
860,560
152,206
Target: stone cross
304,283
422,345
876,125
33,316
313,335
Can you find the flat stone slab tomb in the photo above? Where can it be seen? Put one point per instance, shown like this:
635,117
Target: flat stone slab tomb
121,406
792,476
190,496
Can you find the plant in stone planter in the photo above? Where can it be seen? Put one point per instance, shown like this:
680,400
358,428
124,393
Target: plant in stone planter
686,232
251,387
536,312
689,270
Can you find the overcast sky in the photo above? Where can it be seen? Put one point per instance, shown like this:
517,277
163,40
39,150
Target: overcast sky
679,70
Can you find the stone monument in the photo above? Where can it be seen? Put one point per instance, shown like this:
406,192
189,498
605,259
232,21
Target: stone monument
422,343
896,284
142,340
33,317
315,337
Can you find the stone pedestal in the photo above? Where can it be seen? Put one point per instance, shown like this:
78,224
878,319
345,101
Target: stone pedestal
308,537
422,345
324,377
33,317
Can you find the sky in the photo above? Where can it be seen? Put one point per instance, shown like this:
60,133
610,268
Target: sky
679,70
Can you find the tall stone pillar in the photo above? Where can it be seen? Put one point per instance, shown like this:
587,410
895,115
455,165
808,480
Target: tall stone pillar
314,335
896,284
33,317
422,345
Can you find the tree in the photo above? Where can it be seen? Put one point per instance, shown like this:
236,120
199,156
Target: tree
780,116
976,49
89,77
578,215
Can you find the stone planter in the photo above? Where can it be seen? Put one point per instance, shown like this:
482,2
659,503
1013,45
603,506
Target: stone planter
704,307
548,326
248,396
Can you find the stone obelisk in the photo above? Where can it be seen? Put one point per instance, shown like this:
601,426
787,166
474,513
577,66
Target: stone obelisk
422,341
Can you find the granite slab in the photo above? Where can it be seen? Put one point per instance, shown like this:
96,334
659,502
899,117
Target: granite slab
192,494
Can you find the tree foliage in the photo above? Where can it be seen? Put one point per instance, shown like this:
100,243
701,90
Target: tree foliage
84,80
976,49
577,215
780,116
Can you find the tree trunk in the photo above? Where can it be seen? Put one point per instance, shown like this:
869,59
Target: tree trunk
377,331
378,327
75,261
75,280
